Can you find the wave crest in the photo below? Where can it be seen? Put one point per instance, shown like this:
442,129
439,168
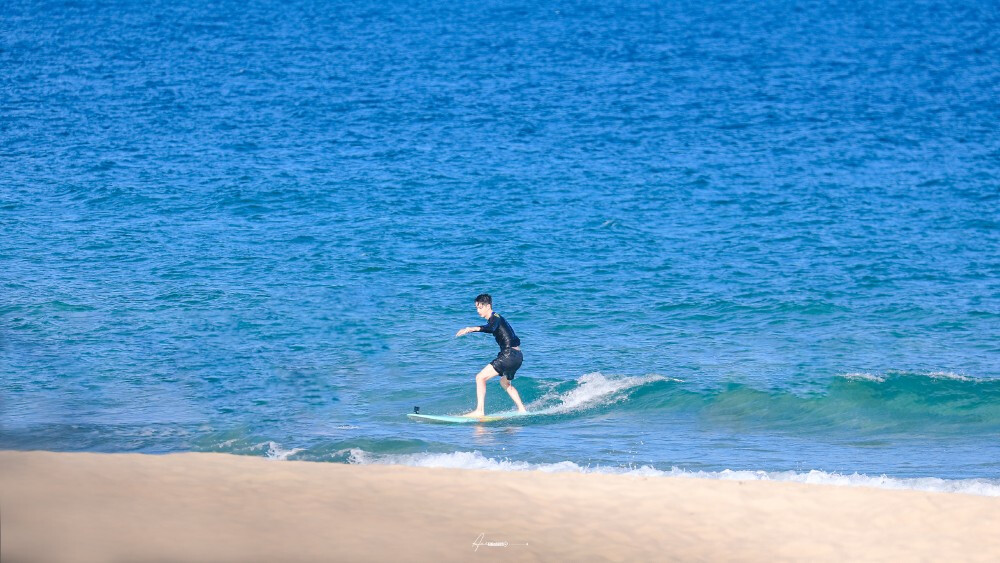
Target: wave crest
593,390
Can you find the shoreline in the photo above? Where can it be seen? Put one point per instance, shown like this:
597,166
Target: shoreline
57,506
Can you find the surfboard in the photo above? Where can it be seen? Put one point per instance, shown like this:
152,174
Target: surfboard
446,419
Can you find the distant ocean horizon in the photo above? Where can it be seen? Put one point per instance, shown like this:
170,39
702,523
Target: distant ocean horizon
758,240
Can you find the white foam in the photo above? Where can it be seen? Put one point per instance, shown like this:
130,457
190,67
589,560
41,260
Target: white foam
862,376
948,375
593,389
275,451
475,460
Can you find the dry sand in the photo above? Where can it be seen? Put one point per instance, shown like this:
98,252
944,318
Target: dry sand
218,507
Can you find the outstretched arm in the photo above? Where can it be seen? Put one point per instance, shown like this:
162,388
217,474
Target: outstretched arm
488,327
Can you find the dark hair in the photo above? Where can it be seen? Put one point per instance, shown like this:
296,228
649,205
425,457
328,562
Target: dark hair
485,299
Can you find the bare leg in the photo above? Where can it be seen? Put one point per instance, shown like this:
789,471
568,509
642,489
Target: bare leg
481,378
506,384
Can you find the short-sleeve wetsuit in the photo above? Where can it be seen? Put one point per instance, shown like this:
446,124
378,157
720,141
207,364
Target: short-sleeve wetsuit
510,358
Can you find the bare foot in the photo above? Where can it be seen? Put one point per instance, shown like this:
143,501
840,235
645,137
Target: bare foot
474,413
522,410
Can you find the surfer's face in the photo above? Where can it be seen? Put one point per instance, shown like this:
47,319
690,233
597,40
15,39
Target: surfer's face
484,310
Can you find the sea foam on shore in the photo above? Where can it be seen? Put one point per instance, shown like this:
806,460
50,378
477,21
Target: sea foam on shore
475,460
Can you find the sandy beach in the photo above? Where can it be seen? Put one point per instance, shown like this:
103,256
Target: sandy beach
218,507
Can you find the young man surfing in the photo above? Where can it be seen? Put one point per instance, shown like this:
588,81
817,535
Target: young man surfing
507,361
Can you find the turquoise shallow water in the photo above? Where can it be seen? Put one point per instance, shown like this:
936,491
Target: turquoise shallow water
756,240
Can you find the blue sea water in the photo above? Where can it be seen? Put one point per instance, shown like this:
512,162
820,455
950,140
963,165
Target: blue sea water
754,240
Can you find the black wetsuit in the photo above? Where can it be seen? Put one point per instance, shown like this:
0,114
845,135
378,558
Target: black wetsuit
509,359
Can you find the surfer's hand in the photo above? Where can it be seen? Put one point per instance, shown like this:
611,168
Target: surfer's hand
463,332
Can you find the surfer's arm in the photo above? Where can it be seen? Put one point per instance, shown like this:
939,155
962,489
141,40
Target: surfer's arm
488,327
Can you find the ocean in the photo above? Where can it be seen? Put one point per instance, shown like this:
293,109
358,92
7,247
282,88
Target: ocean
741,240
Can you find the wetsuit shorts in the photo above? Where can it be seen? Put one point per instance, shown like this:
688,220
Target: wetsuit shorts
507,362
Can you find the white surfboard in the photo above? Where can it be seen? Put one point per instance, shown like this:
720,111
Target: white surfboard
447,419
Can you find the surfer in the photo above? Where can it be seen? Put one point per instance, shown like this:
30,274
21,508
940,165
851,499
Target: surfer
507,361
